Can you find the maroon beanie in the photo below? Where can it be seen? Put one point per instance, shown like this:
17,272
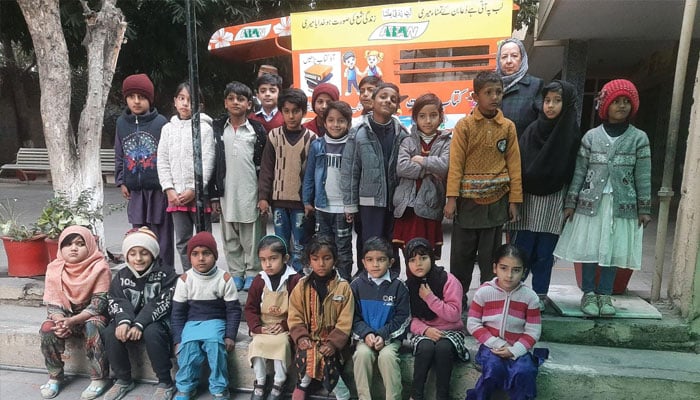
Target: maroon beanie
139,83
613,90
204,239
327,88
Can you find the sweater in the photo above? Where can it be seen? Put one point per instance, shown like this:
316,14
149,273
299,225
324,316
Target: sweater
141,299
626,163
383,309
485,160
283,167
498,318
136,150
175,154
276,121
327,321
252,311
204,297
448,310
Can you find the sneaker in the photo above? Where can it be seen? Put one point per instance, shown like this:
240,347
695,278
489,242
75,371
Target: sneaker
119,390
589,304
543,305
220,396
248,283
606,307
50,389
185,395
95,389
163,392
238,281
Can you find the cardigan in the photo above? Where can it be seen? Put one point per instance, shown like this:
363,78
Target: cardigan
498,318
448,310
485,160
626,163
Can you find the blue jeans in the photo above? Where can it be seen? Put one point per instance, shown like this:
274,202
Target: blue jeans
605,283
335,226
288,223
190,357
538,247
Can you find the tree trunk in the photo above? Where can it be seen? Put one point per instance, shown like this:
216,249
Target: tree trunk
74,157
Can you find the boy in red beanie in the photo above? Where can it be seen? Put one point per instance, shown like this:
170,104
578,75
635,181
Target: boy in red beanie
136,154
206,314
322,95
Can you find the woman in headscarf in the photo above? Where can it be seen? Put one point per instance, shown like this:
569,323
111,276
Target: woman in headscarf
548,155
522,98
75,294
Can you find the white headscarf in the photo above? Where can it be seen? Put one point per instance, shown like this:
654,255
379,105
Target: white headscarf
510,80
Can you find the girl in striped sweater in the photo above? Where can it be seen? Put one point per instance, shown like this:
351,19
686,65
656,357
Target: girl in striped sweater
505,318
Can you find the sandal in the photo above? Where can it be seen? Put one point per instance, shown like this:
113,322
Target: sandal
276,393
96,388
50,389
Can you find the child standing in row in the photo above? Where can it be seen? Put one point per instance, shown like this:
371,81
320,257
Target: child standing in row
436,324
176,169
609,200
205,318
548,152
75,295
268,88
368,170
505,318
266,313
322,95
423,159
135,163
483,182
321,192
240,142
139,303
382,314
282,172
321,310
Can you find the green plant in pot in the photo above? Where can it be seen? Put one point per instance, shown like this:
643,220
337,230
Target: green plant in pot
24,245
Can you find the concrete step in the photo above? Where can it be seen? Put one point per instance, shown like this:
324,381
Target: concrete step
572,371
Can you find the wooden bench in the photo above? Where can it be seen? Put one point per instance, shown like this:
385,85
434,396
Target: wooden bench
36,160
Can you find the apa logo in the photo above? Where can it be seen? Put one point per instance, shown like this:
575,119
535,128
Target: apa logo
399,31
253,33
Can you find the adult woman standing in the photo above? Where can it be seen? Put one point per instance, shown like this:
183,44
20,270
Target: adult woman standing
522,92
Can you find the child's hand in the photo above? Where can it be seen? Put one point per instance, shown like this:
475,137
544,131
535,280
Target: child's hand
503,352
434,334
568,214
264,207
304,343
230,344
349,217
370,340
644,220
177,347
172,197
450,207
514,212
273,329
326,349
418,160
125,192
424,291
134,334
378,343
186,197
61,330
122,332
308,209
215,207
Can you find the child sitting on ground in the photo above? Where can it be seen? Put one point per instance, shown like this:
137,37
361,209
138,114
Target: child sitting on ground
382,314
505,318
205,318
139,303
266,313
75,295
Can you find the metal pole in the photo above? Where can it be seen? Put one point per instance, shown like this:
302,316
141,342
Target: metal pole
194,97
666,191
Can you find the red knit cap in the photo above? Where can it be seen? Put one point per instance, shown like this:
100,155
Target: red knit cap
613,90
327,88
139,83
204,239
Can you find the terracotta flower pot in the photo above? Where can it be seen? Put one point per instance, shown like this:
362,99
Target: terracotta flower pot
26,257
51,248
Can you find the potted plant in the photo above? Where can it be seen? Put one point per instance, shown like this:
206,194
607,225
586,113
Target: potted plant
24,245
60,212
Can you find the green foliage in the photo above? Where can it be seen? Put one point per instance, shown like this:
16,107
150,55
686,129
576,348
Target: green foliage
526,15
10,225
60,212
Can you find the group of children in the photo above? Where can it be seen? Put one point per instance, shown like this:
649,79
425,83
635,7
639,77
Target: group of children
319,179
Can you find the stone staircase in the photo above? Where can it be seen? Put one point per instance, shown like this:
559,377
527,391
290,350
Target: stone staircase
588,358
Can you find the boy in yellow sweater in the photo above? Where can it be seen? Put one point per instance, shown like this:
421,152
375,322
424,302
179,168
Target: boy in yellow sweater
483,182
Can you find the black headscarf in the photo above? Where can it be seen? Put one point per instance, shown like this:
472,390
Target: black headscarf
435,278
548,146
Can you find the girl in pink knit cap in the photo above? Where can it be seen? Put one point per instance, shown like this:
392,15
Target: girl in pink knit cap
609,200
